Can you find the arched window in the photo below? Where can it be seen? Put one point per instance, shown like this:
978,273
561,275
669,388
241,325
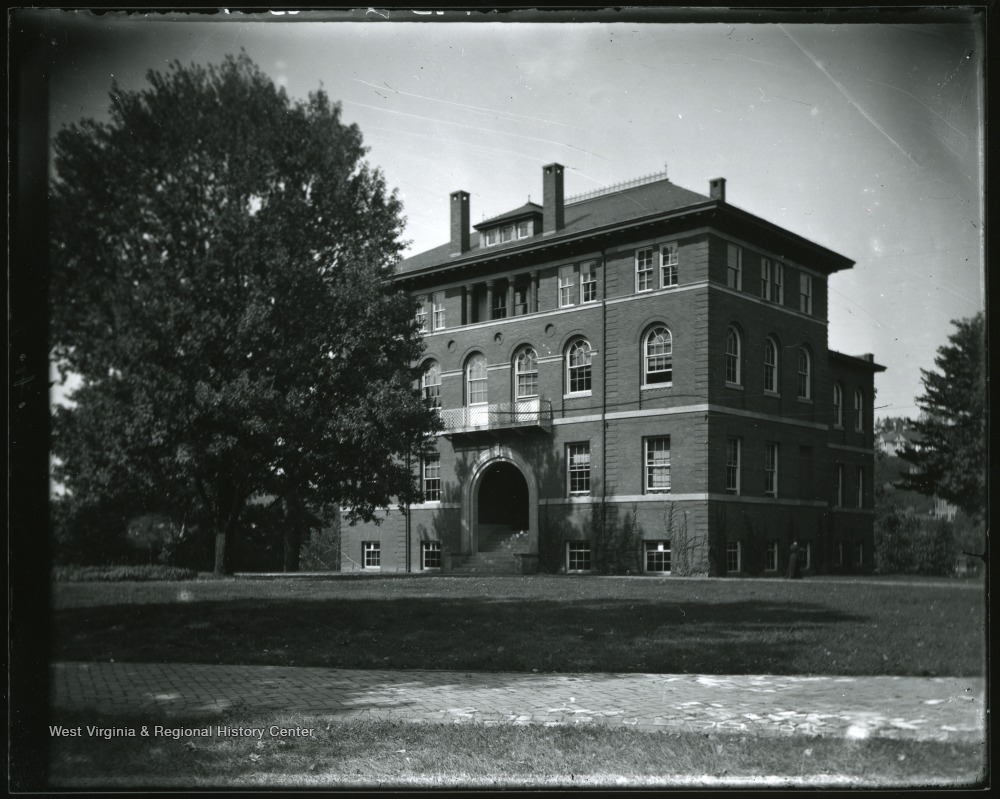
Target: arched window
859,417
578,360
770,365
658,357
838,405
475,380
733,353
431,384
805,376
526,373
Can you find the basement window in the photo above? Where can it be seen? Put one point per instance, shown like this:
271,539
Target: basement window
577,557
771,557
430,555
372,555
658,557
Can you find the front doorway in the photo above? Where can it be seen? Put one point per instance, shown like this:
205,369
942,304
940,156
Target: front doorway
502,505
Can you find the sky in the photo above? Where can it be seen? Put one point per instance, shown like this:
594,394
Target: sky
865,138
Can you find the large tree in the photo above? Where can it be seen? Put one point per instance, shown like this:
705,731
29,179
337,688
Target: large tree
950,449
219,265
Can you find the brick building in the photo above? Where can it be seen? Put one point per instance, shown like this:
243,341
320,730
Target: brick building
634,380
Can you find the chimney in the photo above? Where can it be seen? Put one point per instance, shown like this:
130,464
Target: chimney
552,199
717,189
459,222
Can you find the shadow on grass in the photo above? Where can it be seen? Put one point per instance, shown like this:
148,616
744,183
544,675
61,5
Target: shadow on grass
746,637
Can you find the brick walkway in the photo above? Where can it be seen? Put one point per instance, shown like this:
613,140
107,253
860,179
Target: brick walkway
949,708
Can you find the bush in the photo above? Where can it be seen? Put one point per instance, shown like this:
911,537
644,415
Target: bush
89,534
147,572
934,550
905,544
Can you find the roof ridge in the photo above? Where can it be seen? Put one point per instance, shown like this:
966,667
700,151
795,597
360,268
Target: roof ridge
653,177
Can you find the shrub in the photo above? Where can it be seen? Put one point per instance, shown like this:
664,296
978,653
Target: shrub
934,549
121,573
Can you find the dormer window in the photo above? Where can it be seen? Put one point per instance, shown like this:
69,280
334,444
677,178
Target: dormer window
502,234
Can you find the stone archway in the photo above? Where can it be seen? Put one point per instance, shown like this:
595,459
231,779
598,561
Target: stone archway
503,502
502,472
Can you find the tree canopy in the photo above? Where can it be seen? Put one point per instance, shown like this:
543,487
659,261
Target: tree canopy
219,264
950,451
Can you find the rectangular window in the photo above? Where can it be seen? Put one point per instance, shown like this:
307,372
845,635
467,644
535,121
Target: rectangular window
859,554
439,311
523,229
771,557
422,318
734,267
566,281
732,465
771,469
778,286
588,281
430,555
507,233
658,557
860,488
499,309
734,561
578,556
578,467
372,554
490,237
806,294
432,478
765,278
838,486
644,269
657,465
668,265
807,556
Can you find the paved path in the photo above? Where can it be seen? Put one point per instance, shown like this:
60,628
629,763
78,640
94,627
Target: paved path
949,708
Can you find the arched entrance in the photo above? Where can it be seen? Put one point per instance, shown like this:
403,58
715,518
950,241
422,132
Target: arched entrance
503,503
501,491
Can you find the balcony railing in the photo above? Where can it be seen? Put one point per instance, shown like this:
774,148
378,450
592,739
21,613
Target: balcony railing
535,412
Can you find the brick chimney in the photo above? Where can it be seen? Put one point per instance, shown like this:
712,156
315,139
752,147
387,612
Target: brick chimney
552,199
717,189
459,222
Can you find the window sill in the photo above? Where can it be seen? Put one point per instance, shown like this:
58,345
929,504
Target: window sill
805,400
651,386
731,492
657,493
577,395
579,493
838,427
737,386
774,394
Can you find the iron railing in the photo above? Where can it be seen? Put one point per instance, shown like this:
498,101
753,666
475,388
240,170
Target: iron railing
535,412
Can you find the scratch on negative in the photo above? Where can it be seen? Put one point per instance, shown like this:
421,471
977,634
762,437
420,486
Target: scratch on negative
847,94
475,127
472,107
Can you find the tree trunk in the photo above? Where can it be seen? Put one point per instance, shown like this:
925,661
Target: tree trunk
293,540
220,553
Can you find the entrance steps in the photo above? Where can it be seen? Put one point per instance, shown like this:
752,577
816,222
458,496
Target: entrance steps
497,553
489,563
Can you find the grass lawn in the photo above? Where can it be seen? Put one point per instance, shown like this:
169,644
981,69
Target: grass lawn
548,623
386,754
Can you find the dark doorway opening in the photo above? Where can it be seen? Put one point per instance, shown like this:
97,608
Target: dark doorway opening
503,501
